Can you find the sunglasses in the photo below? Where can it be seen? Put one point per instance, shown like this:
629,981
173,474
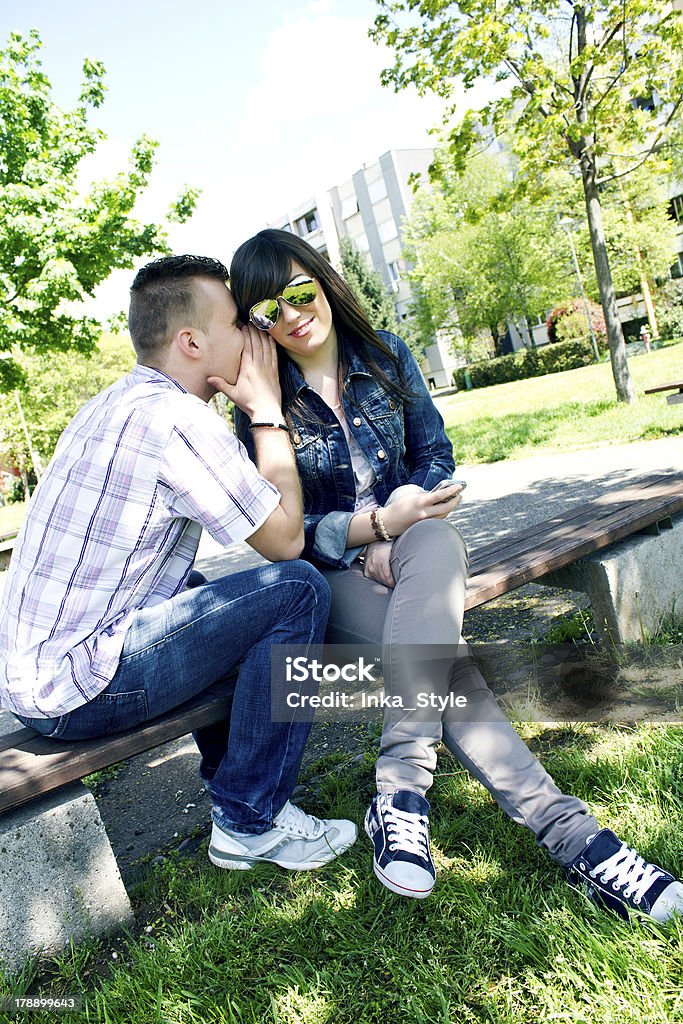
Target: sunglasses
299,292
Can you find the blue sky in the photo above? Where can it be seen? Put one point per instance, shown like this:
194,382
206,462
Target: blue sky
221,86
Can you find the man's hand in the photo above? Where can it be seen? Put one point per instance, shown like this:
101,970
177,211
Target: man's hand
378,562
257,389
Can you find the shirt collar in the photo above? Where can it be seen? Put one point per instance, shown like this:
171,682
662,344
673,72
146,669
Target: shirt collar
141,373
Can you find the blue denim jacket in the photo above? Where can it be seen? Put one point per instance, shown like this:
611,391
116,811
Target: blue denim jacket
404,443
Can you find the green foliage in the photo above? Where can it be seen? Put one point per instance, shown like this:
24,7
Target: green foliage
368,287
569,321
56,386
480,256
57,241
573,77
669,309
528,362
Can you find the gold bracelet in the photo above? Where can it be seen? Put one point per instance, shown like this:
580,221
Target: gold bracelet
377,523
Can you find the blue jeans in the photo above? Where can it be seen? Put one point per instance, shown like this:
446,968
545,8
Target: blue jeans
184,646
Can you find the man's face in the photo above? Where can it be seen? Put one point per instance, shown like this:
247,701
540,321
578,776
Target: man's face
224,338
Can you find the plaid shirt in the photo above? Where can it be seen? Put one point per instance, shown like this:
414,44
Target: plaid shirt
114,526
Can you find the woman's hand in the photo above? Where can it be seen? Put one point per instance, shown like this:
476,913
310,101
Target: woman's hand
417,505
378,562
257,388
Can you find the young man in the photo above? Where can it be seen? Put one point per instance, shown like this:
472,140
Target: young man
98,631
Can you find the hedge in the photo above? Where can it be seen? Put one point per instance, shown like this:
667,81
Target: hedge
527,362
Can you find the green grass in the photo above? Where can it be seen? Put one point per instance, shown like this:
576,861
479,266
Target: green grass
11,517
562,411
502,939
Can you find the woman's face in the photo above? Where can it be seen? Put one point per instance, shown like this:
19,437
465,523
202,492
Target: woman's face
304,331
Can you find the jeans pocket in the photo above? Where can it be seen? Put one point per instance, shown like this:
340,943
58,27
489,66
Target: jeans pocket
106,714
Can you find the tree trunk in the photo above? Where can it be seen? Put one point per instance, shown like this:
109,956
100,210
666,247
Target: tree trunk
615,335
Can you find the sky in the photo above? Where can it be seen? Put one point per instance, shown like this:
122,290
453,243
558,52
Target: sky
261,104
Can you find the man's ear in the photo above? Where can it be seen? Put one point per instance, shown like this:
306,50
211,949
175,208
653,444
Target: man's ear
188,340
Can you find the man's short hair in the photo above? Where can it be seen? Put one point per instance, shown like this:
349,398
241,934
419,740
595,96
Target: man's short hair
164,296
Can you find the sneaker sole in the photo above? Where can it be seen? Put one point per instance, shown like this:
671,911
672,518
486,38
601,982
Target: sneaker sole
234,862
415,894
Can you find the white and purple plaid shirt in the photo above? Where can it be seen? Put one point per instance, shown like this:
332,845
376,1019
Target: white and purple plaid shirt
114,526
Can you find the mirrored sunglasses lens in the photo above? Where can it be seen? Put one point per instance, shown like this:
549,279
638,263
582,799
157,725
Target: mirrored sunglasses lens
264,314
300,293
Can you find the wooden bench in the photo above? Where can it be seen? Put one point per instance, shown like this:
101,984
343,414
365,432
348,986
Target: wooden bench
676,386
31,765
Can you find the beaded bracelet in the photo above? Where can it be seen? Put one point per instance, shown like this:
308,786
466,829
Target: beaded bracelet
278,426
378,526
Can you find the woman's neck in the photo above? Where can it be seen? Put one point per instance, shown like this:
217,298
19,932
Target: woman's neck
321,371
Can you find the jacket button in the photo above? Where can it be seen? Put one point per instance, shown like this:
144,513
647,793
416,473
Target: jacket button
357,421
391,405
296,439
381,454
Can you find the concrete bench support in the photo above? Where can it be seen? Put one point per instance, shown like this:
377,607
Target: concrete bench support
59,879
631,584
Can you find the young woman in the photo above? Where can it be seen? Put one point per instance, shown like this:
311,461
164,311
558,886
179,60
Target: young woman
370,447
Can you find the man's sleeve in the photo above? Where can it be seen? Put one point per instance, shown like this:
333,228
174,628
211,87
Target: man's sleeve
206,476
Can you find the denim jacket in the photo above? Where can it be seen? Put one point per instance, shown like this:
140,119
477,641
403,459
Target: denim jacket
405,442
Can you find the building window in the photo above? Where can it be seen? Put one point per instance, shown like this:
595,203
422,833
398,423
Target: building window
387,230
676,209
307,224
377,191
349,207
394,274
677,267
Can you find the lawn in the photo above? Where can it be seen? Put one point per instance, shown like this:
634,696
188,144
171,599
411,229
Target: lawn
563,410
502,939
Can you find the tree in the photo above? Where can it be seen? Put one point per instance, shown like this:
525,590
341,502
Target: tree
55,386
479,260
368,287
57,242
597,84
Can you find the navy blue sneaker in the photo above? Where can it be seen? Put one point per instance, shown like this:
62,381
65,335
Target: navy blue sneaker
398,827
616,877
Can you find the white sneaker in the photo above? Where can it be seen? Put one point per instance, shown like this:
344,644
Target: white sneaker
297,841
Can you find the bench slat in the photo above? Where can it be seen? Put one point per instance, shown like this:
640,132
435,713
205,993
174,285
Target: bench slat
34,764
501,568
629,500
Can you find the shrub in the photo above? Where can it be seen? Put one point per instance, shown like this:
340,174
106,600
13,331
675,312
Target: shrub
527,362
568,321
669,309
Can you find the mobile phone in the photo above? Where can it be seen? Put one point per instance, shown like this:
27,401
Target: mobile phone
447,483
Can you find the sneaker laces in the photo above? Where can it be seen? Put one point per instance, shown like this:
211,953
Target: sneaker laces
292,819
407,832
627,870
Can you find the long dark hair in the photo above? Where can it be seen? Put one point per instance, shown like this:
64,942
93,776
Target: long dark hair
262,266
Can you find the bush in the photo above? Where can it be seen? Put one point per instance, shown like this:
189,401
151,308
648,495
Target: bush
669,309
568,321
527,362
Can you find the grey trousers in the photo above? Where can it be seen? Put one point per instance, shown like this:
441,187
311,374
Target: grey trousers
424,612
